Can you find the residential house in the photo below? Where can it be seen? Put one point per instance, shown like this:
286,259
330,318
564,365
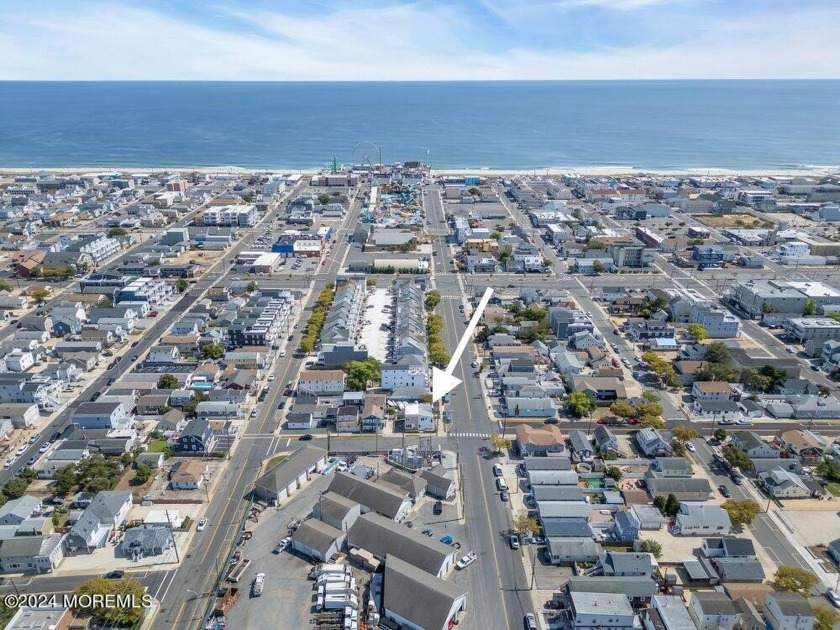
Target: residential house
373,413
98,415
188,475
625,527
419,417
539,440
438,484
321,382
717,410
803,445
605,440
739,570
581,445
32,554
672,467
728,547
712,610
197,438
712,391
700,519
783,484
146,541
752,444
603,390
621,563
106,513
684,488
788,611
601,610
653,443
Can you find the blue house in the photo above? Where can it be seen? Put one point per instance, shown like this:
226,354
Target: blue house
197,437
66,326
626,527
707,256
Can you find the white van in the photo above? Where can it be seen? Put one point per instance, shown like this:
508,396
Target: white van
500,484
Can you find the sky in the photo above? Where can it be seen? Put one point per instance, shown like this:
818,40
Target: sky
418,40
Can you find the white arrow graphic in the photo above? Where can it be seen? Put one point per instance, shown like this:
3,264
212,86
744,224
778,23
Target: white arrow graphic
444,382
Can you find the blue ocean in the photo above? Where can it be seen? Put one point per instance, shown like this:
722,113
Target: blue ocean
521,125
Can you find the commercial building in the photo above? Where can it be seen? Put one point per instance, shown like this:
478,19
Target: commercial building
230,216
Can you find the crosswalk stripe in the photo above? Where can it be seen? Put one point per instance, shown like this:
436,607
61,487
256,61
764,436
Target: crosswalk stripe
462,434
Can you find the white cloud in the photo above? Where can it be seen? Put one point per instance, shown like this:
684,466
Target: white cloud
409,42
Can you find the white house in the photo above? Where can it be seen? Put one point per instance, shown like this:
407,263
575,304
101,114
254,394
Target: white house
701,519
163,354
713,611
404,374
321,382
19,361
419,417
724,410
788,611
712,391
601,610
719,323
102,415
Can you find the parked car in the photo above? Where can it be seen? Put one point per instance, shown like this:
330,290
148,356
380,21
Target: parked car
691,447
282,544
202,525
115,575
305,437
833,597
503,496
724,491
514,541
530,622
437,510
467,560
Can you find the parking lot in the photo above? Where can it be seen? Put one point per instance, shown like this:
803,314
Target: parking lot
374,334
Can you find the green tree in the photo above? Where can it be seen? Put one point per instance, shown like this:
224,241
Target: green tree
495,235
766,307
579,404
698,332
659,503
614,472
5,286
168,381
741,512
190,406
360,373
181,285
794,580
505,254
622,409
755,381
431,300
598,267
525,526
776,376
109,615
117,231
717,352
65,480
499,442
736,457
809,308
652,547
683,433
719,434
826,619
651,422
15,488
253,287
212,351
323,198
829,469
143,473
672,505
475,192
39,294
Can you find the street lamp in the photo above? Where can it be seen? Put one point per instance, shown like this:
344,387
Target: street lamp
194,593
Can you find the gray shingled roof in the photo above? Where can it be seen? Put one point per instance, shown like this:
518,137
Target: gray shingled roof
415,595
384,499
383,537
316,535
291,468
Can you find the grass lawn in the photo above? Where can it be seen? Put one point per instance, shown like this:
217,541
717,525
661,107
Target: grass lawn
834,488
158,446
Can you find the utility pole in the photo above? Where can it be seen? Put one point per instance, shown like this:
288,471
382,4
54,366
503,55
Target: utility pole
172,536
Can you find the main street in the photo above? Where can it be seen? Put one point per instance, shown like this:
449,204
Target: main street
204,561
488,519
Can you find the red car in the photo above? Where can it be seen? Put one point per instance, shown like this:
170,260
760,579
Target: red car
287,392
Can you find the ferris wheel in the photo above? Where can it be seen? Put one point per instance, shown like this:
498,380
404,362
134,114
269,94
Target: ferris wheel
364,152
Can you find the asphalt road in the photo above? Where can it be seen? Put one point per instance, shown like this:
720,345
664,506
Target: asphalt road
201,564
